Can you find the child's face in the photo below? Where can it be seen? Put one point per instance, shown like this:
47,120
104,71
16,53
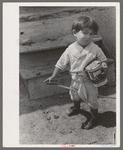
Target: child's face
84,37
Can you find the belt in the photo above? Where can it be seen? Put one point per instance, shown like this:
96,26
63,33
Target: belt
76,73
84,76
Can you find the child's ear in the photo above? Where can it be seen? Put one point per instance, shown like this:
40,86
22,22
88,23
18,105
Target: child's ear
74,32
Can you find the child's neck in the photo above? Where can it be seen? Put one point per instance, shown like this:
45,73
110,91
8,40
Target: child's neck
83,46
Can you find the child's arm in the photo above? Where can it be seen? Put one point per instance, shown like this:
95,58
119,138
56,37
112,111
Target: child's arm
101,57
60,66
54,75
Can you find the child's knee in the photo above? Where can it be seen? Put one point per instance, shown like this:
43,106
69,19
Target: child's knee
94,104
74,96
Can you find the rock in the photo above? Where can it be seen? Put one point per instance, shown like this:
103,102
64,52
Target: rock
27,42
48,118
47,111
70,131
21,33
38,73
56,116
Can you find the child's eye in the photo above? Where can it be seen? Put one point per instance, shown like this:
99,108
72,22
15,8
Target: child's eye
85,32
88,33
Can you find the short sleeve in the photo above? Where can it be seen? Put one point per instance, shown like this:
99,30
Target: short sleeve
63,61
100,55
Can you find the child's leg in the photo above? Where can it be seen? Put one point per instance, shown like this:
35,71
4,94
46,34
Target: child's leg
92,93
92,98
89,124
75,109
75,98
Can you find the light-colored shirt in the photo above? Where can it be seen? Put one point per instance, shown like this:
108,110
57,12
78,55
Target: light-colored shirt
77,57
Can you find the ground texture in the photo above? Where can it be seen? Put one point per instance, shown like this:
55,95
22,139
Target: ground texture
44,121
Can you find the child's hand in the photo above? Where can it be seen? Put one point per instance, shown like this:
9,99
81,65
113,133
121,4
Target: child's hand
104,65
49,80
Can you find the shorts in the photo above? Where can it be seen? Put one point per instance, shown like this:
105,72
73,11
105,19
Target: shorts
85,90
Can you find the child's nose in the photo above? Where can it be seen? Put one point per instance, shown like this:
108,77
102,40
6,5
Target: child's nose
88,35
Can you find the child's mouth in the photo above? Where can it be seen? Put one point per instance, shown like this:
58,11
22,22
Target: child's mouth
85,41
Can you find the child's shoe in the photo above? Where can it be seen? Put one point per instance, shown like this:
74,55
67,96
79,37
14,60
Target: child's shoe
75,109
89,124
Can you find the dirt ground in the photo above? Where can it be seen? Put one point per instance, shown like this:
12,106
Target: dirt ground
44,120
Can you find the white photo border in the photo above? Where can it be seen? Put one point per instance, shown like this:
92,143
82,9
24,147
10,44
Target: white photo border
11,70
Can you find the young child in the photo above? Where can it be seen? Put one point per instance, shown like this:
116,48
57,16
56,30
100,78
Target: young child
77,56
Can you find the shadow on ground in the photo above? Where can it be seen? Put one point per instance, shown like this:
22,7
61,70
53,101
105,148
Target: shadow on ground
107,90
106,119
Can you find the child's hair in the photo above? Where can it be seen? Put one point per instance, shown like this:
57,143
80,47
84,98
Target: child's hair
85,22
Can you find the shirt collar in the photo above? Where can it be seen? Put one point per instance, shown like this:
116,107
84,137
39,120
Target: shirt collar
84,51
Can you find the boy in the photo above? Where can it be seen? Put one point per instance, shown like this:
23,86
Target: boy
77,56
